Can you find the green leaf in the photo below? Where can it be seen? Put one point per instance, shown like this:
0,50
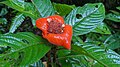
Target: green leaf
33,22
23,49
107,58
102,29
74,61
3,11
77,40
15,4
63,9
71,59
113,17
3,21
44,7
17,21
118,8
113,41
111,59
63,53
38,64
115,12
31,11
94,38
85,19
23,7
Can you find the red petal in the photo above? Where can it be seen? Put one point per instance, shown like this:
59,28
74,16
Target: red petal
42,24
63,39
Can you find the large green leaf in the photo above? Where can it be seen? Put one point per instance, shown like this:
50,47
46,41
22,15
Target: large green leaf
24,7
102,29
63,9
31,11
102,57
17,21
99,55
44,7
23,49
113,17
71,59
85,19
112,41
15,4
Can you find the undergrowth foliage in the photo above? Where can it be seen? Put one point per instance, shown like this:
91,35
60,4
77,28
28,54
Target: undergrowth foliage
95,41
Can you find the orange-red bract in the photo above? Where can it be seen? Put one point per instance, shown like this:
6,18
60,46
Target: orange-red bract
63,39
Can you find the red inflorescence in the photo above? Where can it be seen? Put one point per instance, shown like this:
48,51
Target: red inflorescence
55,31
